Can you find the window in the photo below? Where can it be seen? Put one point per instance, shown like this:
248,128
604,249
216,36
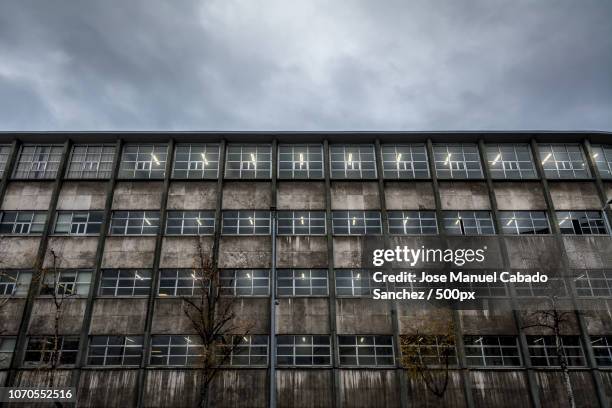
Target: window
78,222
430,350
143,161
196,161
125,282
115,351
596,283
300,161
553,287
249,162
134,223
38,162
524,222
66,283
42,350
301,282
246,222
176,350
468,223
581,222
543,351
301,223
181,282
356,282
366,351
602,348
491,351
14,283
251,350
22,222
7,347
563,161
91,162
352,162
412,222
303,350
486,289
190,223
356,223
602,155
5,151
245,282
457,161
405,161
510,161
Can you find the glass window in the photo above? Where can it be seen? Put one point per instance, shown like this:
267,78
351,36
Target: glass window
356,223
181,282
22,222
366,351
7,347
125,282
491,351
42,350
78,222
303,350
143,161
524,222
553,287
563,161
5,151
91,162
543,351
457,161
115,351
301,282
38,162
66,283
176,350
602,348
247,351
596,283
510,161
412,222
303,161
356,283
602,155
405,161
245,222
190,223
249,162
245,282
134,223
196,161
468,223
429,350
352,162
14,283
301,223
581,222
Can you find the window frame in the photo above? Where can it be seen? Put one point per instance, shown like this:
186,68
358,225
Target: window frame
138,274
495,154
287,347
444,150
193,289
476,219
487,359
192,342
548,154
507,221
33,214
360,339
5,275
399,151
551,345
351,217
207,149
237,276
359,173
305,217
203,219
105,151
44,351
407,215
300,273
580,216
252,216
125,346
243,161
86,224
354,274
51,284
246,342
43,158
304,157
126,172
5,152
153,216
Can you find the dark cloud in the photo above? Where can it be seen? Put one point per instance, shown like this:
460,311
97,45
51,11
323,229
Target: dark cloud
318,65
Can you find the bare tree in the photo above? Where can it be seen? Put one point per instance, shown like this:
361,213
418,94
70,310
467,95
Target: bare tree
212,317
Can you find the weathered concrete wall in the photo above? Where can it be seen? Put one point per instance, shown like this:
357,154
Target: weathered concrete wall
10,316
135,195
424,318
82,195
192,195
363,316
301,252
574,195
354,196
304,388
492,251
303,316
300,195
128,252
523,195
486,322
240,389
107,388
37,378
43,316
415,195
183,252
599,322
169,317
588,252
18,252
348,252
252,315
534,252
28,195
123,316
241,195
171,388
72,252
369,389
503,389
420,397
464,195
245,252
553,394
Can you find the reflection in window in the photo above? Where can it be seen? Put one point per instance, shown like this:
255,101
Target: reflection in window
524,222
181,282
143,161
190,223
602,155
5,151
595,283
7,347
78,222
563,161
366,351
510,161
38,162
412,222
14,283
581,222
405,161
457,161
245,282
303,350
602,348
300,161
249,162
176,350
196,161
301,282
468,223
245,222
125,282
22,222
41,351
492,351
301,223
134,223
352,162
356,223
247,351
91,161
115,351
543,351
356,283
66,283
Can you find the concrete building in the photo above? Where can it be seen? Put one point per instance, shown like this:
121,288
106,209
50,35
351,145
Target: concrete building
123,211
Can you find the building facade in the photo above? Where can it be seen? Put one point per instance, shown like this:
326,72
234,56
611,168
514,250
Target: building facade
117,218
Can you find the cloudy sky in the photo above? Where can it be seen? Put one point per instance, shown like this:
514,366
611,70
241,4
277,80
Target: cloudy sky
306,65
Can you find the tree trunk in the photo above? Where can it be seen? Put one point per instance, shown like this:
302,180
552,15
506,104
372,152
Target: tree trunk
204,395
568,388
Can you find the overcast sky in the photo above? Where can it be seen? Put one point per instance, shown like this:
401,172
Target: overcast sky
306,65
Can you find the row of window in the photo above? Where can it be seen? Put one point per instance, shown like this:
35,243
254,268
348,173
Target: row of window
289,283
249,222
310,350
305,161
